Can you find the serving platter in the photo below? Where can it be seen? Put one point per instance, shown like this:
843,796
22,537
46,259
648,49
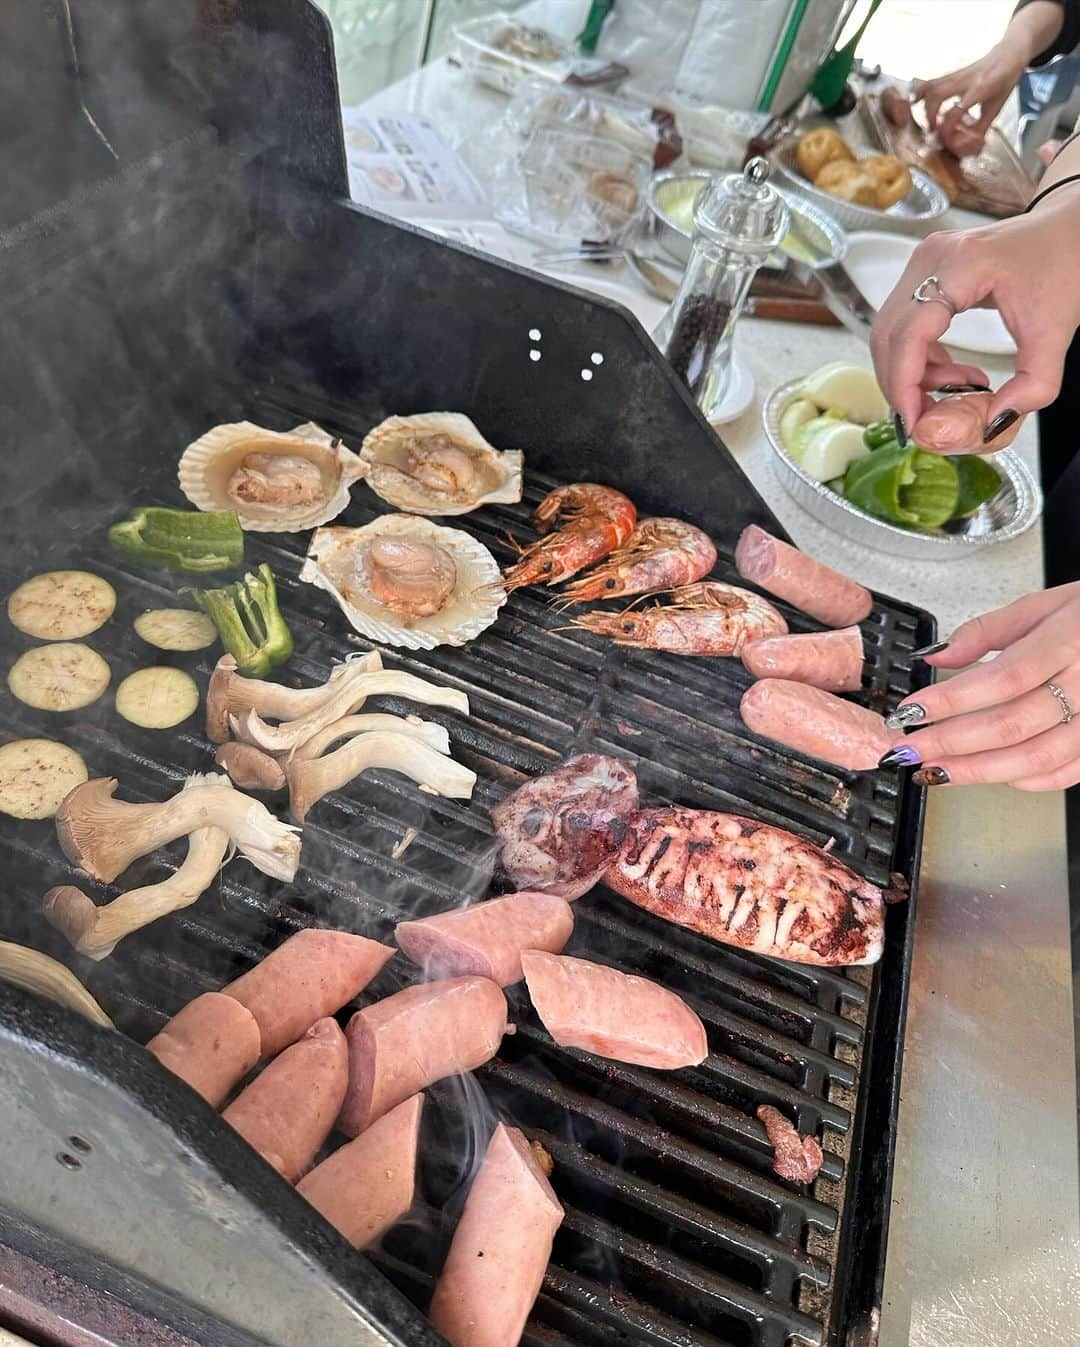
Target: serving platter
924,203
1014,509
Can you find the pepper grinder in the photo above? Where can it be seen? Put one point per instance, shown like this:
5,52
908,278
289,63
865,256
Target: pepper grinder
738,221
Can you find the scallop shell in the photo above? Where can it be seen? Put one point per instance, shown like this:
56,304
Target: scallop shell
384,453
207,465
334,553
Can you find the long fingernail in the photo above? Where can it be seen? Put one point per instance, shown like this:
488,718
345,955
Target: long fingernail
1000,424
935,648
906,755
911,713
900,428
931,776
963,388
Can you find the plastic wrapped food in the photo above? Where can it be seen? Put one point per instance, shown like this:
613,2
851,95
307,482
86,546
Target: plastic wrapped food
643,130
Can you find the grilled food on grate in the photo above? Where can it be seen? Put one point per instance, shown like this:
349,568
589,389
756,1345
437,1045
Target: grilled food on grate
748,884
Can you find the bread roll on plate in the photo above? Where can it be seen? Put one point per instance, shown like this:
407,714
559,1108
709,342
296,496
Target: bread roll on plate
892,177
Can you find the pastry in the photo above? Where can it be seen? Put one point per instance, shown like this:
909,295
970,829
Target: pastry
892,177
846,179
819,147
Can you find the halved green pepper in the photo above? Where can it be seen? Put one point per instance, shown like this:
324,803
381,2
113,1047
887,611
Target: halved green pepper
184,540
249,622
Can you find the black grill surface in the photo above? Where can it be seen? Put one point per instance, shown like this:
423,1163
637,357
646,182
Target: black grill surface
676,1229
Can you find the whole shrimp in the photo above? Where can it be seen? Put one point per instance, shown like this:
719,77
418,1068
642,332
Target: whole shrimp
598,519
709,618
659,554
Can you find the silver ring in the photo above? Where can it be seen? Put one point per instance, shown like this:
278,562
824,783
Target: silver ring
929,291
1066,709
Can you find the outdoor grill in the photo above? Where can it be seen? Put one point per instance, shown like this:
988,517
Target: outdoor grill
177,250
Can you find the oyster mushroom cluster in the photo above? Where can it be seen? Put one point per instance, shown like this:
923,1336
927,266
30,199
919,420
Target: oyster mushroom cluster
298,751
438,463
405,581
276,482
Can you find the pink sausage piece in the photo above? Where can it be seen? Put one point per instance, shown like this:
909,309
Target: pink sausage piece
807,584
287,1111
311,975
500,1248
596,1008
487,938
368,1183
956,425
816,723
829,659
417,1036
212,1044
955,133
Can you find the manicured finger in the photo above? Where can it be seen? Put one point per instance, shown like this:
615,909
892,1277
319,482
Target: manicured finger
900,352
1046,755
1026,665
944,371
1040,358
997,727
1063,779
999,629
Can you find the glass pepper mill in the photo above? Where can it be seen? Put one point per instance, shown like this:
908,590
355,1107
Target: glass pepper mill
738,221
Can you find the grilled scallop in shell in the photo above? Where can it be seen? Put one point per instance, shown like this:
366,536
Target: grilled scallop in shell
276,482
406,581
438,463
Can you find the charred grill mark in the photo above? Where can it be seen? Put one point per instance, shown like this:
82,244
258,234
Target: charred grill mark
748,828
658,854
532,821
747,864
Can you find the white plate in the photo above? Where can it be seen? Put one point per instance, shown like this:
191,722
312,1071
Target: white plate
876,262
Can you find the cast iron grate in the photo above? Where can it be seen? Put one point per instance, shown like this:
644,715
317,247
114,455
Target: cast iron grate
676,1230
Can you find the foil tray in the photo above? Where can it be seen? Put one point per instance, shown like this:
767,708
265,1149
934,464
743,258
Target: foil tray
924,203
1014,509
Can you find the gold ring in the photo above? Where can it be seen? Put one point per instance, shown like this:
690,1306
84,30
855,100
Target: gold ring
1066,709
929,291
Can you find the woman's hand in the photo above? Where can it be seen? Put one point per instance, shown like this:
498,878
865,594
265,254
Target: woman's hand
985,84
1028,268
999,721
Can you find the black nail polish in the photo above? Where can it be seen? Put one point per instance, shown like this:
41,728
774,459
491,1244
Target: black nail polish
963,388
931,776
900,428
935,648
911,713
999,424
905,755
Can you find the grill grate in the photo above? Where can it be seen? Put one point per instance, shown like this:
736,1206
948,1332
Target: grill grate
676,1230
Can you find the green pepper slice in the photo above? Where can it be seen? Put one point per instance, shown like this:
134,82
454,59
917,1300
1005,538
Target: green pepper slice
185,540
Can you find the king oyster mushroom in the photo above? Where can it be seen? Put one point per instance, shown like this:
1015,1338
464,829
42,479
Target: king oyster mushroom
276,482
438,463
406,581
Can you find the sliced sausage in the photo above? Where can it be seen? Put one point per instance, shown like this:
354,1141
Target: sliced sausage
816,723
808,584
212,1044
829,659
500,1250
368,1183
412,1039
956,425
896,106
287,1111
311,975
487,938
629,1019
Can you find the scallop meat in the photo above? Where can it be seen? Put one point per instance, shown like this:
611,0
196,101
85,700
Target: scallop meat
438,463
402,580
277,482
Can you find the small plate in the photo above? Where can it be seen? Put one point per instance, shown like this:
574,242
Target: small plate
876,261
923,204
1012,511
